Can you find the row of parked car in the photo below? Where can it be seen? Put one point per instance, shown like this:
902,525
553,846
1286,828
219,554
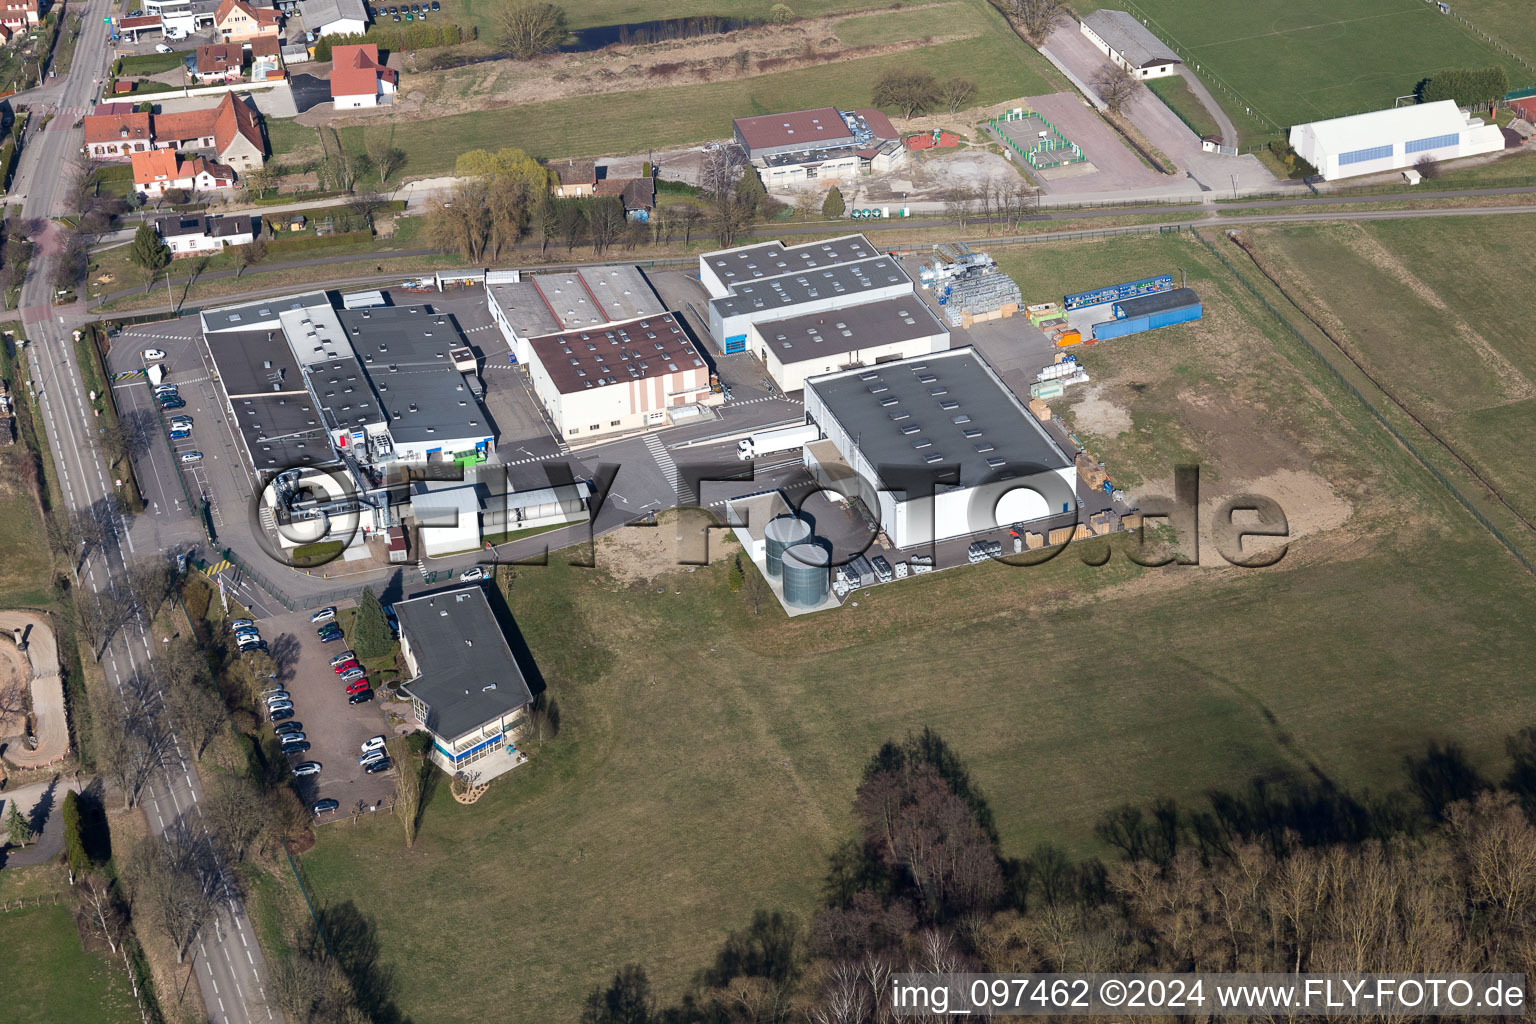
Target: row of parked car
169,398
409,12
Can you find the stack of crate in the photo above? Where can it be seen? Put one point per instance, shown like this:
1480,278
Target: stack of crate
981,297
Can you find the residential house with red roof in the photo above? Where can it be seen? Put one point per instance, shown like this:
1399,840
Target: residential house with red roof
18,16
220,62
358,79
160,170
237,21
229,132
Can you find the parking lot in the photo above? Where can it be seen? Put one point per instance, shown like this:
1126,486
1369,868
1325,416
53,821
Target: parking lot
334,729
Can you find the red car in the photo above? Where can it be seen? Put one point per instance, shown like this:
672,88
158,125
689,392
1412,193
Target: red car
357,687
345,667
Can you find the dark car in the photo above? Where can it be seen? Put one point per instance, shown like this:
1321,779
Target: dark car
321,806
296,748
327,638
288,727
374,767
329,629
285,713
361,697
436,6
173,403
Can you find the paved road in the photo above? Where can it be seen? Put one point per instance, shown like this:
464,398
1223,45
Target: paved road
47,692
228,961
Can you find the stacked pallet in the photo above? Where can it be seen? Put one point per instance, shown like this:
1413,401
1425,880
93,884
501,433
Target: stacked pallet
1033,541
1060,535
1090,472
1103,522
1040,409
981,294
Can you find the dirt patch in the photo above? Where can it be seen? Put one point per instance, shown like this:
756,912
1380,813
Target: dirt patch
1099,415
676,544
14,694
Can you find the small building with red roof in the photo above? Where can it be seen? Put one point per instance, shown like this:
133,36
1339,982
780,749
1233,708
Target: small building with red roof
359,79
159,170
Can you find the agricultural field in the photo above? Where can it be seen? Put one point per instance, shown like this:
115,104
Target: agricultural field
708,757
50,979
1443,333
683,94
1314,59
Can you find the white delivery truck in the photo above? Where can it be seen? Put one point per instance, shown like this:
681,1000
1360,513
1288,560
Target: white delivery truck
156,373
769,442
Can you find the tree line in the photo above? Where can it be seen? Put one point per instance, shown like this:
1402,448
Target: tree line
1467,86
1266,878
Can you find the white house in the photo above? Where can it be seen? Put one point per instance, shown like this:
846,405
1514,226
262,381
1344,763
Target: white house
186,236
1130,44
1387,140
358,79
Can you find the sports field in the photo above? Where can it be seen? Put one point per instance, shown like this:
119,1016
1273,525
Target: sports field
1312,59
1432,309
708,756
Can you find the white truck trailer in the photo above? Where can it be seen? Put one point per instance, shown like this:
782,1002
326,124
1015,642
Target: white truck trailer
771,442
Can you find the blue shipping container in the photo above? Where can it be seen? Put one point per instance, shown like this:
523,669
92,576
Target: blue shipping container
1136,324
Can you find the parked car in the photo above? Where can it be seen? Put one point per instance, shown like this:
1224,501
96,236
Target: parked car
383,764
173,402
436,6
269,691
166,389
395,17
352,674
288,727
288,739
178,434
277,695
329,629
357,686
344,667
322,806
280,716
154,355
329,638
471,575
306,768
162,48
181,422
252,645
409,16
286,705
374,743
191,456
295,748
343,656
324,614
240,623
394,621
360,697
371,756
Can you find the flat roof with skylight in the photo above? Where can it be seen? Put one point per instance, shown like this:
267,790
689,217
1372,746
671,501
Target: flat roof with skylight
870,324
786,292
648,347
774,259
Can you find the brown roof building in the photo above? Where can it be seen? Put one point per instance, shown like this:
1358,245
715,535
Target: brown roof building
575,178
229,130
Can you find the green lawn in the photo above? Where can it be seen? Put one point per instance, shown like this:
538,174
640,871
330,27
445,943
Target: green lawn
708,757
1312,59
1433,322
49,978
1175,92
26,561
1510,22
684,115
873,28
152,63
622,12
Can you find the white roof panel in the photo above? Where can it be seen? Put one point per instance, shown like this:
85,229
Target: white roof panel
1382,127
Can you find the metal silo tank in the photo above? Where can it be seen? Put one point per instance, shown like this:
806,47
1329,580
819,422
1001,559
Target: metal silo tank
807,569
781,533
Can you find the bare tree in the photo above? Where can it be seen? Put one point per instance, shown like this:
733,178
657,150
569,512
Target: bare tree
176,878
387,158
755,589
529,27
1115,86
131,743
688,219
234,812
148,579
250,254
957,92
1037,17
196,710
97,904
407,788
907,89
365,204
605,221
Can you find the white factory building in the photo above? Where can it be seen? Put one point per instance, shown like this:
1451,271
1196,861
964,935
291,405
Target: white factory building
938,445
770,281
798,347
1395,139
1125,40
632,375
527,306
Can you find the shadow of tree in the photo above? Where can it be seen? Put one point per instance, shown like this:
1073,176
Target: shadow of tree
353,940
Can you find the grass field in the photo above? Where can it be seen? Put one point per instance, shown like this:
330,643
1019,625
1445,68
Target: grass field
633,122
26,562
1314,59
51,980
871,28
622,12
1443,334
1176,94
1508,21
709,757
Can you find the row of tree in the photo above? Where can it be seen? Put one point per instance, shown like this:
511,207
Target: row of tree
913,91
1304,877
1467,86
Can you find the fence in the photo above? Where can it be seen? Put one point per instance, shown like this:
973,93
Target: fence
23,902
1376,414
1050,141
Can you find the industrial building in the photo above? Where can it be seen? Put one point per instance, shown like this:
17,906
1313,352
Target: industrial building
1130,44
937,447
798,347
459,515
625,376
758,283
1389,140
527,306
466,687
823,146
